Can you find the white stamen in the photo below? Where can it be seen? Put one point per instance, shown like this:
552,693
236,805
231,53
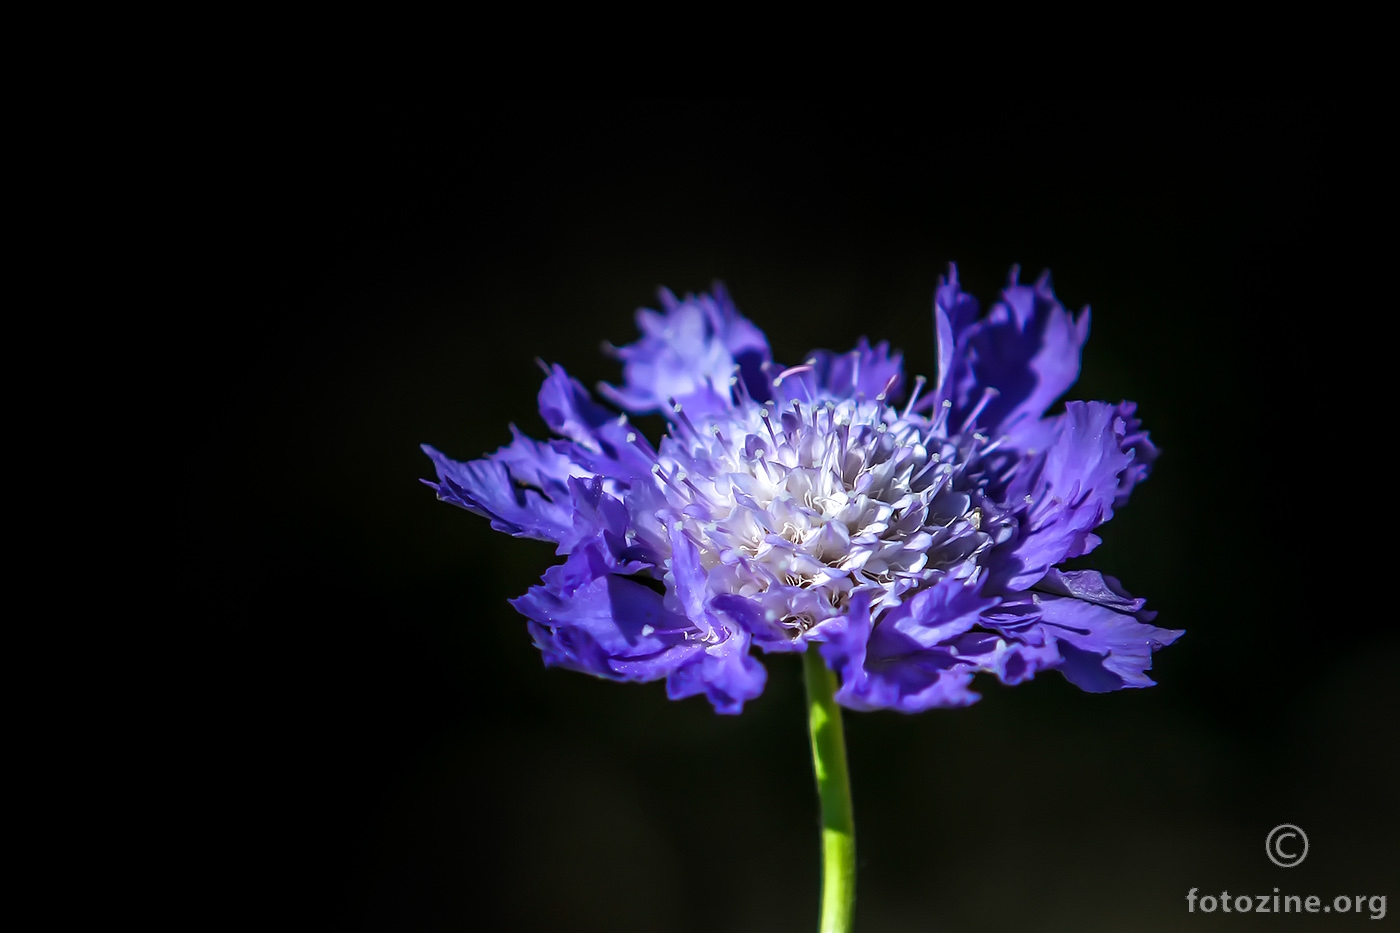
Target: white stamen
806,367
914,396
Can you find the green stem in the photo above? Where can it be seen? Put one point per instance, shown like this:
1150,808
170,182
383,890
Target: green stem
834,788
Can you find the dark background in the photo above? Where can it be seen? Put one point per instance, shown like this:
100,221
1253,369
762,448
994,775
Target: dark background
368,737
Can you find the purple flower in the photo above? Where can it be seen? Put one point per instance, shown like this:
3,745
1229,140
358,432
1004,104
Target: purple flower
916,543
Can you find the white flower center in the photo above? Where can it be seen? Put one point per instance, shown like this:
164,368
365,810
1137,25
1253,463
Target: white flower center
801,507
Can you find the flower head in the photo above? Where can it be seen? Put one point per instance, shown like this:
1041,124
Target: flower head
916,540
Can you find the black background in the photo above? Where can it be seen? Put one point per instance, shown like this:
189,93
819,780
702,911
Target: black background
368,740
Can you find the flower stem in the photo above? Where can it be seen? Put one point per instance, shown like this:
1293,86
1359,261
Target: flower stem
834,788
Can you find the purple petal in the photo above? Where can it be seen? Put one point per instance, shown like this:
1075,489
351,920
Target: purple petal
1103,649
1090,586
750,616
943,611
603,519
725,673
961,308
608,626
897,673
1064,494
845,651
915,657
954,314
567,408
865,372
945,346
1018,662
912,683
1134,439
689,353
1027,348
508,491
687,578
600,439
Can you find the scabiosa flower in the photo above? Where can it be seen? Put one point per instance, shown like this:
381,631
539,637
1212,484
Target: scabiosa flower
916,540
